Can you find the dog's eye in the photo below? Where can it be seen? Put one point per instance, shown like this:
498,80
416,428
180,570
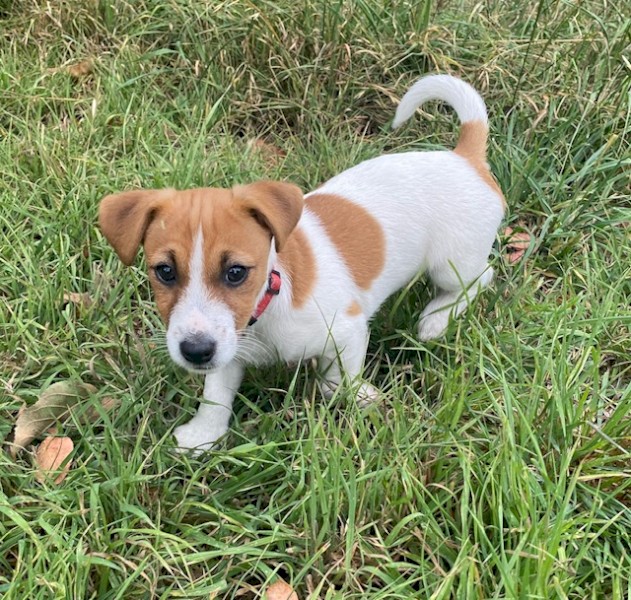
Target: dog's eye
235,275
166,274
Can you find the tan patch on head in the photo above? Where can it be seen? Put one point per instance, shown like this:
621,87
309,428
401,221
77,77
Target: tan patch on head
354,309
163,245
472,147
275,204
356,234
231,237
237,227
297,259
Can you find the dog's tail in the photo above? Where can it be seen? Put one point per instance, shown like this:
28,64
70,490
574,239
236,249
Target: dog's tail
463,98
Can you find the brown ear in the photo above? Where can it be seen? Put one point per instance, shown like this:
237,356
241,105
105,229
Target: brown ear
276,205
124,219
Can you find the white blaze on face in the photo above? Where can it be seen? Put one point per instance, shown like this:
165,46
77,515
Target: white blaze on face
197,315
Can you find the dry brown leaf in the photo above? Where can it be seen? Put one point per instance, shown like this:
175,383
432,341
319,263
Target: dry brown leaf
52,452
108,404
53,405
268,151
281,591
517,243
83,300
81,69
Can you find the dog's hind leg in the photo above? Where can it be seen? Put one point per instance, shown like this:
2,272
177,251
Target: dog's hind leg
453,297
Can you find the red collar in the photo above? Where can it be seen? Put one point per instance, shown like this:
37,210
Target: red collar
273,289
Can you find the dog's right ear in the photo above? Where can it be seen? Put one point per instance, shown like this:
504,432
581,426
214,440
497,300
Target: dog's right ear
124,219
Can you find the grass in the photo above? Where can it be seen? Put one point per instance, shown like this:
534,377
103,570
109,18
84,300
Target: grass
497,465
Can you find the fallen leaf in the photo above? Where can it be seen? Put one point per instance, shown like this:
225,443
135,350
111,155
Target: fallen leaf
281,591
52,406
50,455
81,69
517,242
268,151
107,404
82,300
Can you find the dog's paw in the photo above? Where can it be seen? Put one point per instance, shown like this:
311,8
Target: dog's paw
367,395
328,389
196,437
433,326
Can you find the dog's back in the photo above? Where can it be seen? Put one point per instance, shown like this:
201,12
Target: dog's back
438,211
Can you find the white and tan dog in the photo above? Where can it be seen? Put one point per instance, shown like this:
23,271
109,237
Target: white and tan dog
319,265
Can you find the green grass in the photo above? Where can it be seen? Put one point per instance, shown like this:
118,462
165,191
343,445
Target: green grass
497,465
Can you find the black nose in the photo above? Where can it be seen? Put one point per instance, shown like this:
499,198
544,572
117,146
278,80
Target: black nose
198,351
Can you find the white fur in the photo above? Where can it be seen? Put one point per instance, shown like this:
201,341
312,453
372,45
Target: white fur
467,103
437,215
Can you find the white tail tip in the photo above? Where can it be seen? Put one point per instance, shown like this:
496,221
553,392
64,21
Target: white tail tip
467,103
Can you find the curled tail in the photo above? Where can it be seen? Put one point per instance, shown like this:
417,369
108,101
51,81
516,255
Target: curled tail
471,111
467,103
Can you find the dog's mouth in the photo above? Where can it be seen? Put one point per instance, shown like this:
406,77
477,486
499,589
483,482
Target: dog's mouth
199,369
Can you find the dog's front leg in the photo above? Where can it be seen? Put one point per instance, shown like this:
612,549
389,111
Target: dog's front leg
213,415
346,362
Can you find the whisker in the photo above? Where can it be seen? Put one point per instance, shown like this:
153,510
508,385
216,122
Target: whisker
248,343
251,348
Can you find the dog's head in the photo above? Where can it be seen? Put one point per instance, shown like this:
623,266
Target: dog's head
209,252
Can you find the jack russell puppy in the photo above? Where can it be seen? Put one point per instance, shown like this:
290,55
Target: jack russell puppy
260,272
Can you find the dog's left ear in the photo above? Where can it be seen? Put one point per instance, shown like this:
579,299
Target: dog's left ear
277,206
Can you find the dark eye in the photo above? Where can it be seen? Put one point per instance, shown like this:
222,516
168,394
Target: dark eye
166,274
235,275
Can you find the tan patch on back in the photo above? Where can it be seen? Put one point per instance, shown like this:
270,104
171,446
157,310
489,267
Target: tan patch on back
297,258
354,309
356,234
472,147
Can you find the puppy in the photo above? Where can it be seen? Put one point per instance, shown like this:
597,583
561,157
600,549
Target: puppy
260,273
